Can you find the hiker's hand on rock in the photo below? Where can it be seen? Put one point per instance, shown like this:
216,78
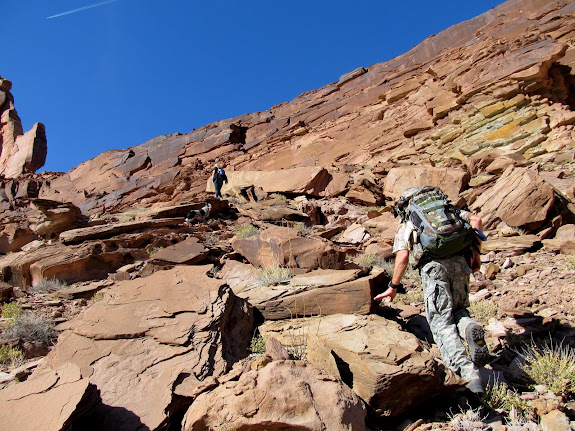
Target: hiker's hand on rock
388,295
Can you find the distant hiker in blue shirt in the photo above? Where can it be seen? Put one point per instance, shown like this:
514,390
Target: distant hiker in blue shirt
218,178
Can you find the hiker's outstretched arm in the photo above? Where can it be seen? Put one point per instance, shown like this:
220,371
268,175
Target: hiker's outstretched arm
401,262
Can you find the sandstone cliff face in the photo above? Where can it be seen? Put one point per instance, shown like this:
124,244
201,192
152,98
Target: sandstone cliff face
20,153
499,84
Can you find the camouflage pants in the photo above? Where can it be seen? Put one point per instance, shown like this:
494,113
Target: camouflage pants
446,291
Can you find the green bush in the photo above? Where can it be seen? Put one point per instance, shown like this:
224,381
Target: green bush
246,230
152,251
11,356
98,296
278,196
552,365
258,344
499,396
12,310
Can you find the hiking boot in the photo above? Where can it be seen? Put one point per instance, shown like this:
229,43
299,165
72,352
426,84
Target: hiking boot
475,338
475,386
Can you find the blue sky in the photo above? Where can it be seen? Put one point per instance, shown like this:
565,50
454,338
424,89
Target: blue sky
117,74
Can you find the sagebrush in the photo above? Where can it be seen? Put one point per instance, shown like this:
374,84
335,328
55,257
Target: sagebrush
29,327
47,285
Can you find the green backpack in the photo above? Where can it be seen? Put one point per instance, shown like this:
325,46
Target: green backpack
441,230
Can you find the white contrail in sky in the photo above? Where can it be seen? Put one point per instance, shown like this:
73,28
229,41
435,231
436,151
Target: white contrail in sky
81,8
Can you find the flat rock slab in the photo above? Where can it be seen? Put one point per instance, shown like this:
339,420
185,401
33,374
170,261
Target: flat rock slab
371,354
319,292
271,210
284,246
51,401
189,251
182,210
282,395
107,231
510,243
86,291
143,337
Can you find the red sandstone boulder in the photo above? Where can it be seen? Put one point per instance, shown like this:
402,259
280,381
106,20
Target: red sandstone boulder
519,198
282,395
370,354
135,347
286,247
452,182
319,292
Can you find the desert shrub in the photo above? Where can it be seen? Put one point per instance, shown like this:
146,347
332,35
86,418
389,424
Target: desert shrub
48,285
518,422
211,239
469,420
550,364
152,251
258,344
246,230
370,259
483,310
125,216
237,200
29,327
301,227
499,396
375,208
570,261
273,275
412,296
98,296
11,310
278,196
11,356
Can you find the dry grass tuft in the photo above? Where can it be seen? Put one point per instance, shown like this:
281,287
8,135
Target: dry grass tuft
483,310
246,230
48,285
273,275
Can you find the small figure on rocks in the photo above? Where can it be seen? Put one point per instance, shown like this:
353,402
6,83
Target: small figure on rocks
443,243
218,177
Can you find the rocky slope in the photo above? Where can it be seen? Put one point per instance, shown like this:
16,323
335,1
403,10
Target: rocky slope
155,323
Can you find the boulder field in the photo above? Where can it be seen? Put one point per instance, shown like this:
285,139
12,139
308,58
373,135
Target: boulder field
260,315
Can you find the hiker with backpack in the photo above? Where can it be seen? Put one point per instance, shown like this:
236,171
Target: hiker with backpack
218,177
443,243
